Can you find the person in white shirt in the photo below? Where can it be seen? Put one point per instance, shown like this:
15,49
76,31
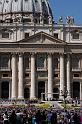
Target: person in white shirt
5,118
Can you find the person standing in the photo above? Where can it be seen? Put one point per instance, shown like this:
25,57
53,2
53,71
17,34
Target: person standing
5,118
54,118
13,118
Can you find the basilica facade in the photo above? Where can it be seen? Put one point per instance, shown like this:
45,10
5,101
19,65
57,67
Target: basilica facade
38,57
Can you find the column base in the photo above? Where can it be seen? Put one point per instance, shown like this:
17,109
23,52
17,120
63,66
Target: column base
50,98
46,98
61,97
21,98
33,98
13,98
68,97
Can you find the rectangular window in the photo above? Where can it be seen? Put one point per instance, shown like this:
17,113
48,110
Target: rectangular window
4,63
40,61
27,75
75,63
76,75
42,74
55,75
75,35
26,35
5,35
45,21
5,75
56,35
26,20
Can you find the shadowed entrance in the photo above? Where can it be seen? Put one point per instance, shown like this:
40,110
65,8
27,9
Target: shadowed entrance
76,89
5,89
26,93
41,88
56,93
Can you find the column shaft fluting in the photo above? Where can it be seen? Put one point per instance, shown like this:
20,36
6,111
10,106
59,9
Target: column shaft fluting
20,84
32,90
61,75
50,79
68,76
13,77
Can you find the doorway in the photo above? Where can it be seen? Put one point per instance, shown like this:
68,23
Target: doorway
76,90
56,93
41,89
26,93
5,90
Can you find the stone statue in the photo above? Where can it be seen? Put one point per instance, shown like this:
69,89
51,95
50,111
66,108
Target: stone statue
60,19
70,20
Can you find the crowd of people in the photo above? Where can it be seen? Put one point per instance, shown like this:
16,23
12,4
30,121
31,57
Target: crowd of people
35,115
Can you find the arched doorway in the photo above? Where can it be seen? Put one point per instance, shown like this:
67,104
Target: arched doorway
56,93
76,89
41,88
5,90
26,93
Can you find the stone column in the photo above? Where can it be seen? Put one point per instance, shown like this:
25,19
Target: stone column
46,90
50,77
68,76
20,84
32,90
61,75
13,96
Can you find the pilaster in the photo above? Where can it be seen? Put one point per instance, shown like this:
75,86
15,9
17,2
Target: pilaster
20,84
32,90
13,96
50,77
62,76
68,76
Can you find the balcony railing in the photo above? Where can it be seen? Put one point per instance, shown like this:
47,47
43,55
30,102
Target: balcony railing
76,69
5,69
41,69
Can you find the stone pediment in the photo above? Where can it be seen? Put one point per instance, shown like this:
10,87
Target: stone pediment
42,38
